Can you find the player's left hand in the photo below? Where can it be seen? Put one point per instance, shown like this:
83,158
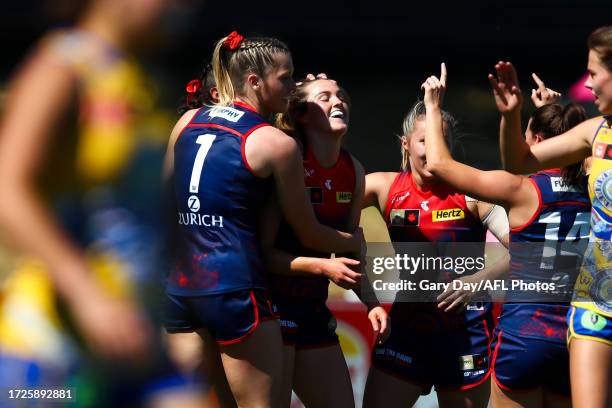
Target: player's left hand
543,95
379,318
452,300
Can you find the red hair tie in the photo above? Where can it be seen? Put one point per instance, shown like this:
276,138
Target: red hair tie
192,88
233,40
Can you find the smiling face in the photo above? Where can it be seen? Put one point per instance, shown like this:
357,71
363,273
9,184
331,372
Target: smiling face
278,84
600,83
327,108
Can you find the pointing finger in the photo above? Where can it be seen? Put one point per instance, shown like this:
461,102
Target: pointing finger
538,81
443,74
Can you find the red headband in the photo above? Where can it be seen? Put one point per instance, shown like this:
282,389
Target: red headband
233,40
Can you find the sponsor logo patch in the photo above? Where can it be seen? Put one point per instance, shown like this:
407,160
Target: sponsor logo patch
225,112
193,202
559,185
410,217
447,215
344,196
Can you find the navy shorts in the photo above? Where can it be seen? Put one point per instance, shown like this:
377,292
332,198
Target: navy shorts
306,324
452,359
523,363
228,317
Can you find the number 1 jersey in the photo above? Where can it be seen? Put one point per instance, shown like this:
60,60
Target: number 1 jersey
218,202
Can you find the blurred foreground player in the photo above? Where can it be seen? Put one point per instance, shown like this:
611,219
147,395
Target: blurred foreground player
79,166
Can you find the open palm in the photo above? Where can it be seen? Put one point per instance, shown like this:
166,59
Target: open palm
508,97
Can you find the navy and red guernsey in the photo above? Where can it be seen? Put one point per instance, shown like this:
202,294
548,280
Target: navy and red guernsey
218,200
331,194
438,216
548,250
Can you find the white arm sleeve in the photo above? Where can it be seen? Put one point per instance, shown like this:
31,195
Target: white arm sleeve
496,221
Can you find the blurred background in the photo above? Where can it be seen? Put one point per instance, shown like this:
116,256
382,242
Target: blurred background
380,51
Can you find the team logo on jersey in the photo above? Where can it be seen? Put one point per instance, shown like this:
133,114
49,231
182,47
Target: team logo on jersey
447,215
225,112
328,184
308,172
410,217
193,202
603,188
344,196
560,186
603,150
316,195
425,205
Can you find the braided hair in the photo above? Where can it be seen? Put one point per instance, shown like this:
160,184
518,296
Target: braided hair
246,55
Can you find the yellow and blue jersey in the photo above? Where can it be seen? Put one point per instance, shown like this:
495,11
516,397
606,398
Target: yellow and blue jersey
591,315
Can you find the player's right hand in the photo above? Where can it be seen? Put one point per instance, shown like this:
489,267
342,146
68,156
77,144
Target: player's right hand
338,270
112,328
434,88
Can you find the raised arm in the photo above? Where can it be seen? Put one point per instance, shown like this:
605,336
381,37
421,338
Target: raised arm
497,187
517,156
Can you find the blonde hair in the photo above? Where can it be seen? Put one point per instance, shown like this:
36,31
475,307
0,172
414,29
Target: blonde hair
416,113
253,55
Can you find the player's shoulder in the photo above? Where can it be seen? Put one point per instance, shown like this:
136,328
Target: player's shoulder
382,178
274,138
182,124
